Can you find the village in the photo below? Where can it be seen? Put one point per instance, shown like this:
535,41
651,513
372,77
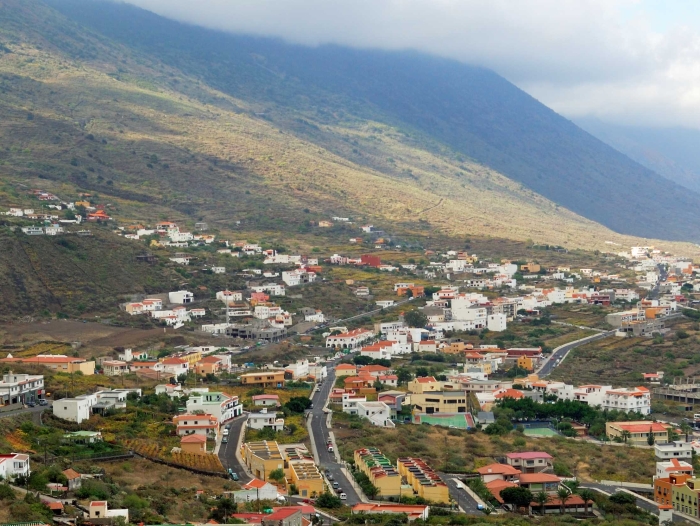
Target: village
440,340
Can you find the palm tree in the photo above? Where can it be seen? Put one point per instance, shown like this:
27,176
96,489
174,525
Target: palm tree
541,498
625,435
587,496
563,495
686,429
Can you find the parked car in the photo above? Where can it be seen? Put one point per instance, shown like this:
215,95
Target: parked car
43,402
329,476
343,496
31,404
232,474
224,440
330,449
335,485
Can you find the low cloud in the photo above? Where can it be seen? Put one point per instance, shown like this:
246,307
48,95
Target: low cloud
580,57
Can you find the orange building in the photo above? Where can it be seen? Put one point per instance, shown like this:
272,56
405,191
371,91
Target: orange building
196,444
663,487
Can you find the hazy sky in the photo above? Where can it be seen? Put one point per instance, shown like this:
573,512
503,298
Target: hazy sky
625,61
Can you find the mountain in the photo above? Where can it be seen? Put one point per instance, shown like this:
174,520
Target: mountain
670,152
437,103
257,137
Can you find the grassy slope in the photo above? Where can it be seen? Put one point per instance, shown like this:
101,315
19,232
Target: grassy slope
73,274
76,83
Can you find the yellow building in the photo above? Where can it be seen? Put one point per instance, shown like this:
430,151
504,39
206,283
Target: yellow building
439,402
526,363
264,379
424,384
196,444
191,357
57,362
456,348
379,470
305,476
262,458
685,496
424,481
637,433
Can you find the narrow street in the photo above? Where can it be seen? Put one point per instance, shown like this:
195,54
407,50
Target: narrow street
319,435
227,452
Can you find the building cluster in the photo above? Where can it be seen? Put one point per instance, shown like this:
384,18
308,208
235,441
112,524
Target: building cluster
167,234
176,315
409,477
531,470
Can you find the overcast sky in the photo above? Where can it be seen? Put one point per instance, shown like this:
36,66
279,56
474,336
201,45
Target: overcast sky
624,61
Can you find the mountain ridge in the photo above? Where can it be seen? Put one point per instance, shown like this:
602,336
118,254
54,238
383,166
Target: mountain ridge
471,110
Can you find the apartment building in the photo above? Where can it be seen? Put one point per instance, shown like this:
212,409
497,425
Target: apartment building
439,402
16,388
426,483
264,379
196,424
305,476
685,496
379,470
262,458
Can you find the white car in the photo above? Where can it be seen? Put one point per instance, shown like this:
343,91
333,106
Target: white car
343,496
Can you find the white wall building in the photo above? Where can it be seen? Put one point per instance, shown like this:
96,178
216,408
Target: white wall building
378,413
14,465
265,419
74,409
16,388
220,405
180,297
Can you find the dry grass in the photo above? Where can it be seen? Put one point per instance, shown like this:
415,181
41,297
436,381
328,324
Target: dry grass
214,148
460,450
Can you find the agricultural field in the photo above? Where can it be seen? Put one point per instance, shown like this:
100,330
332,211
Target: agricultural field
622,361
454,450
582,315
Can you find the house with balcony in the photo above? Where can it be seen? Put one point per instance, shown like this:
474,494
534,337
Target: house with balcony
13,465
265,419
678,450
20,388
196,424
219,405
264,379
530,461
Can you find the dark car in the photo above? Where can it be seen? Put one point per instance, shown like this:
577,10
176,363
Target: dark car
31,404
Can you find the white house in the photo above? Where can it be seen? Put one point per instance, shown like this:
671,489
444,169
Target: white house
199,424
265,419
129,355
115,368
98,509
220,405
175,366
385,303
74,409
256,489
14,465
181,297
378,413
228,296
218,270
349,340
298,277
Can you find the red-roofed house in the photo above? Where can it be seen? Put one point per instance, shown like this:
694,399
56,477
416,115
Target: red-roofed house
637,433
496,486
196,444
290,516
413,511
197,424
256,489
509,393
268,400
498,472
537,482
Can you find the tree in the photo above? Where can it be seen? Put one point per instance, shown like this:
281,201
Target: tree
403,375
517,496
587,496
623,498
277,475
563,494
650,436
625,435
415,318
298,404
362,360
541,498
223,510
328,500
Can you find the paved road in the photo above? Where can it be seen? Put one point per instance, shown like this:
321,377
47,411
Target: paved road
641,503
319,434
562,351
227,452
29,410
357,316
462,498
